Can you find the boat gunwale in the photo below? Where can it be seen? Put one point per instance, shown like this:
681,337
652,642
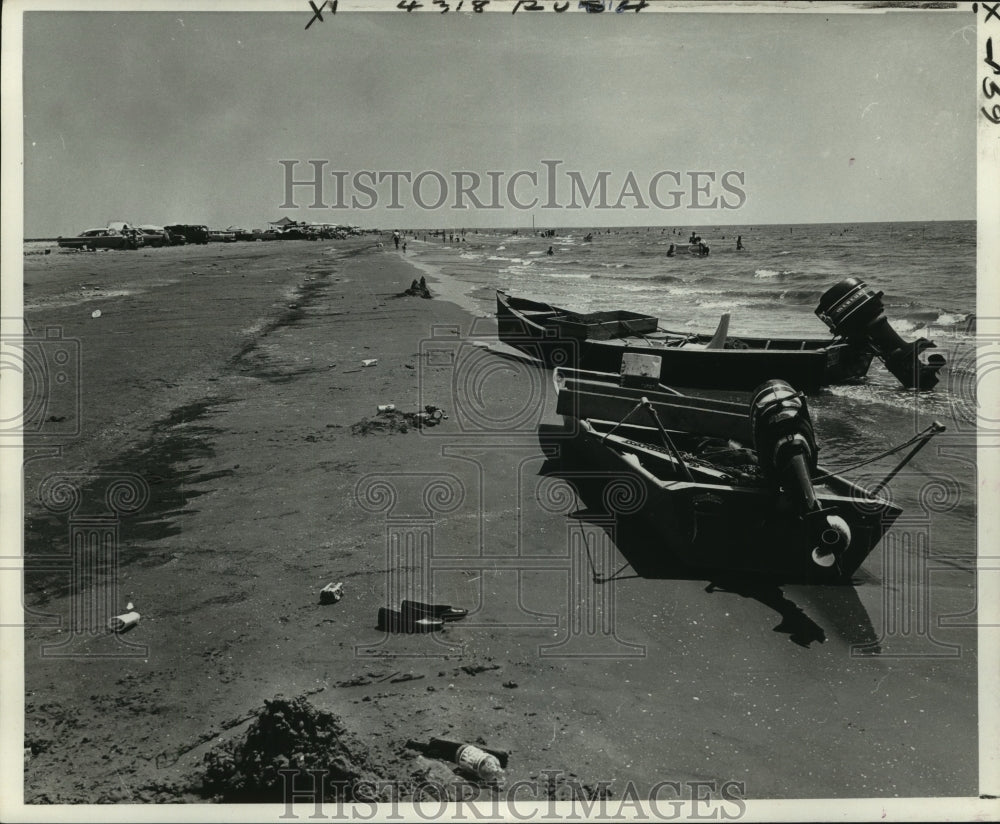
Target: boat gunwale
863,497
808,346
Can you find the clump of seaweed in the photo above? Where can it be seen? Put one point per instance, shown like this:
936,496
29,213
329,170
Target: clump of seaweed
289,734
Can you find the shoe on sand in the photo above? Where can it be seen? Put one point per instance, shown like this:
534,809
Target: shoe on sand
389,620
442,611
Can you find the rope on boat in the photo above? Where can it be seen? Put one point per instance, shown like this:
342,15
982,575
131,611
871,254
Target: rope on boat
628,415
920,439
669,444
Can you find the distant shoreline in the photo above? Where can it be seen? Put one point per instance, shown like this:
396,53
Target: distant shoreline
595,226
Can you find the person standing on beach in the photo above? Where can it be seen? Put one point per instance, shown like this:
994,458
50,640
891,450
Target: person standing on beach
395,238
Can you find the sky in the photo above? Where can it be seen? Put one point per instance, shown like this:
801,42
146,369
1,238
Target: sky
160,118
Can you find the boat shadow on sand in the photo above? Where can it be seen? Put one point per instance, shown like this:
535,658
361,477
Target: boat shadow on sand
838,609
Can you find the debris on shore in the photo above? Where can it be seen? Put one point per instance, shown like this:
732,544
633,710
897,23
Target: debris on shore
289,734
392,420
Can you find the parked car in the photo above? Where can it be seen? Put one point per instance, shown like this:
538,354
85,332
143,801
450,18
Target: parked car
154,236
98,239
192,233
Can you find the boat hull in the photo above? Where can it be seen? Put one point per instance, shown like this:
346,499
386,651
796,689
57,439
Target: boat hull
807,364
722,528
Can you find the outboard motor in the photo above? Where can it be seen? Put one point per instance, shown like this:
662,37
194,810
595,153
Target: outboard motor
786,450
854,311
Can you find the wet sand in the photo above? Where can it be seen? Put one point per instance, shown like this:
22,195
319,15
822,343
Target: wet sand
227,379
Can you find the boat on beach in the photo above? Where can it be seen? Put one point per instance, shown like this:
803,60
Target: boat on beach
727,487
598,341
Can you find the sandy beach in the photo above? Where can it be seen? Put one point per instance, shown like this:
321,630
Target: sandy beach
225,384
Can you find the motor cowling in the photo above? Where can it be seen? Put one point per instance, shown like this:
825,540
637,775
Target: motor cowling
854,311
786,451
782,429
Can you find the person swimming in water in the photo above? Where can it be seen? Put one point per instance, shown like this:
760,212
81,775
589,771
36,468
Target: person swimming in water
550,252
739,242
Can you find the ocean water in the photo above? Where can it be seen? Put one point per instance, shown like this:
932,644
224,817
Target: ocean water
927,272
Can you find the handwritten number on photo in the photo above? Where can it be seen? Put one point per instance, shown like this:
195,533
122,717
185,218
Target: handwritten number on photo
990,90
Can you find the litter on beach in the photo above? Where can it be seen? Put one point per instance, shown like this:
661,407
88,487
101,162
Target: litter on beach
123,622
392,420
331,593
369,362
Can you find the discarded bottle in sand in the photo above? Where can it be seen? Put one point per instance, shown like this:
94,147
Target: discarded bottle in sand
387,407
122,622
331,593
473,760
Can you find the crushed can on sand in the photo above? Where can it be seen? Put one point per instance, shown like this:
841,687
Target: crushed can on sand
331,593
